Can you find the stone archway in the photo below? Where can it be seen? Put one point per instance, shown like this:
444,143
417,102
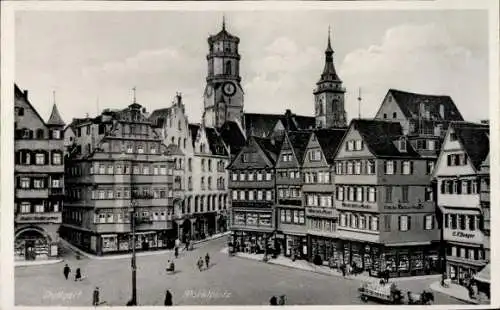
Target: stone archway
31,243
186,230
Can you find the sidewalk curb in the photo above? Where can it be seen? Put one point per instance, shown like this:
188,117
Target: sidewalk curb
140,254
436,286
39,263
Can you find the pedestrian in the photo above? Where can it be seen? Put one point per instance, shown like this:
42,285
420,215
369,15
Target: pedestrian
282,300
78,275
273,301
342,268
66,271
200,264
176,252
168,299
95,299
207,260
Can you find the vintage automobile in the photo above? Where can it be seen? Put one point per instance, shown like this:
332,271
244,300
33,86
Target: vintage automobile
382,292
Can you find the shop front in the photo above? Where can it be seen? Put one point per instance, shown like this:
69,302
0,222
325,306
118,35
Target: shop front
252,241
295,246
363,255
323,248
404,261
122,242
33,243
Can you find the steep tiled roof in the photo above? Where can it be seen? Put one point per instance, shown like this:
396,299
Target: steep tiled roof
55,118
329,140
215,142
410,105
232,136
193,128
18,94
379,136
298,141
261,125
476,142
270,147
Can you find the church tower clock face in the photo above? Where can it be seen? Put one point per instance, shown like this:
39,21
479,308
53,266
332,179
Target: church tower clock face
229,89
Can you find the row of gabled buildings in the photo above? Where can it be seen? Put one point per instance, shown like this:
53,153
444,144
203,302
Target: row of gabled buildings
368,194
311,187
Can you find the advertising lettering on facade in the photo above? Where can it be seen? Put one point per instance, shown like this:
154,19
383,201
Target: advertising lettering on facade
464,236
357,206
403,206
24,218
320,211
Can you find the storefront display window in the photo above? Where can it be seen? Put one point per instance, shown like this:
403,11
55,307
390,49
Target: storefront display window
265,219
417,261
403,262
390,262
109,243
239,218
252,219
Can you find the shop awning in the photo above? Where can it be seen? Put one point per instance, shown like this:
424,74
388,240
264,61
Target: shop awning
455,210
484,274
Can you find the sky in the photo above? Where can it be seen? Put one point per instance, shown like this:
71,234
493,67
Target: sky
93,59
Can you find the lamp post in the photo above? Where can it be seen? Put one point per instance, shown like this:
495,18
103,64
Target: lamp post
133,301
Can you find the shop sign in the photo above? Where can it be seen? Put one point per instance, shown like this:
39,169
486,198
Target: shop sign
39,218
320,211
464,236
356,205
280,236
403,206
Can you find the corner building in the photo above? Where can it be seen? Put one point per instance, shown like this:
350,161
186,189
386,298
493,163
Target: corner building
462,174
116,166
38,180
385,202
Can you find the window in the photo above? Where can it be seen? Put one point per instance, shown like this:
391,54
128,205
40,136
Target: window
235,195
374,223
25,183
56,134
389,167
430,167
259,176
428,222
38,183
250,176
39,208
301,217
259,195
387,222
25,207
340,193
349,167
269,195
407,167
40,159
163,170
342,220
358,145
242,176
338,168
359,194
388,193
394,115
250,195
405,189
472,223
242,195
371,194
404,223
315,155
209,165
402,145
428,194
357,167
110,169
268,176
129,149
371,167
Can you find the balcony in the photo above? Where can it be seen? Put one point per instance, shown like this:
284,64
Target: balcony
32,193
46,218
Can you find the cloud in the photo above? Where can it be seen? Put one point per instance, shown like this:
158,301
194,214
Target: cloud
285,72
419,58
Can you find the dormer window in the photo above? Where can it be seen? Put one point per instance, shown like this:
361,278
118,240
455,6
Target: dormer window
402,145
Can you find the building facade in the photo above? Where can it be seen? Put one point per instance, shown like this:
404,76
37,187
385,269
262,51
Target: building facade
385,202
461,172
38,180
318,191
117,169
252,184
201,199
290,213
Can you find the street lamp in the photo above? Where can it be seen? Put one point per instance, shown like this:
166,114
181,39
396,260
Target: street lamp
133,301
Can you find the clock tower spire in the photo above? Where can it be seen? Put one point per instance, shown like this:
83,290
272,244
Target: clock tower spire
329,94
223,97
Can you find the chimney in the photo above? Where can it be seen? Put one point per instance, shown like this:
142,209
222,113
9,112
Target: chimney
441,110
26,94
288,112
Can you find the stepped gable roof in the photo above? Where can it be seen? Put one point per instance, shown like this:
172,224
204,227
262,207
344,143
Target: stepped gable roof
215,142
330,140
475,140
160,112
270,147
55,118
193,129
409,103
298,141
379,136
232,136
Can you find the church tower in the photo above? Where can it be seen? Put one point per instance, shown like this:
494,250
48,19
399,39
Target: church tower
223,97
329,95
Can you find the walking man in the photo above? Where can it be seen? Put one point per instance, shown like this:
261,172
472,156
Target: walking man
66,271
207,260
95,299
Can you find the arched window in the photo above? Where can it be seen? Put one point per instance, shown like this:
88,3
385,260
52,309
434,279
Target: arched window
209,183
185,142
179,125
179,142
173,140
228,68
